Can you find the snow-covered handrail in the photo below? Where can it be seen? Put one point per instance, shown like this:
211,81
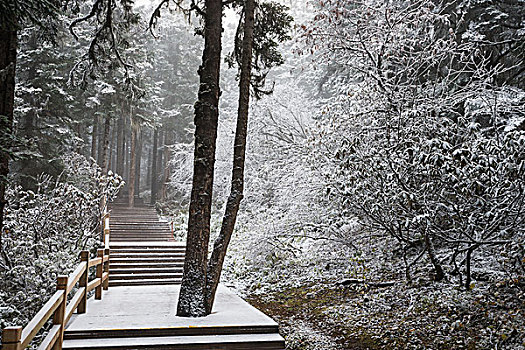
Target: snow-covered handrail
57,307
17,338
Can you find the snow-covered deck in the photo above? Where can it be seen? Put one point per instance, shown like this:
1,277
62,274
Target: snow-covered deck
147,307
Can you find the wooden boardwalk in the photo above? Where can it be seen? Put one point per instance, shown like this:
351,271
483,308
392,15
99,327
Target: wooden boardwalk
138,310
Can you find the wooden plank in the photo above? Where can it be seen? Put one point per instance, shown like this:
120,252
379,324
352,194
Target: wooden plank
73,303
94,262
11,338
83,282
93,284
99,274
50,338
105,280
41,317
59,317
74,277
234,341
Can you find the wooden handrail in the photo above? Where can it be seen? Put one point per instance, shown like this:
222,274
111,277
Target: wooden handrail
94,284
57,307
75,276
95,262
41,317
17,338
51,338
73,304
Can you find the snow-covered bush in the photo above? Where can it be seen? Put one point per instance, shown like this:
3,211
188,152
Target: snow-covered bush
44,232
425,147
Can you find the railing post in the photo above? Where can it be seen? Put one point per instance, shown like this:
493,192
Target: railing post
11,338
106,228
103,219
59,317
106,269
100,271
83,282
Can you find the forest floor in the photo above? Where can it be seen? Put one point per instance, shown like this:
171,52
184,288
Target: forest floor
424,315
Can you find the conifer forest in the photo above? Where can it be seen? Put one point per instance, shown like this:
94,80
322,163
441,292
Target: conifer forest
353,169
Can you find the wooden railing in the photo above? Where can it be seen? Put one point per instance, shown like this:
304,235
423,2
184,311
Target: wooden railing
58,308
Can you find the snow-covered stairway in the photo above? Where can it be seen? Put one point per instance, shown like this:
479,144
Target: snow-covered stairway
138,309
142,248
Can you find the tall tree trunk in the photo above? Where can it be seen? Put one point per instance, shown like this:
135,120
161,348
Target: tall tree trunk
29,168
153,175
138,161
127,142
239,151
104,161
101,144
192,291
94,136
148,168
160,159
8,43
132,155
112,150
120,144
168,141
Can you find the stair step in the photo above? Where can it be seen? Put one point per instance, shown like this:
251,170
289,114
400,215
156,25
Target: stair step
144,282
116,254
145,239
152,276
148,250
145,260
171,331
271,341
138,265
145,271
145,235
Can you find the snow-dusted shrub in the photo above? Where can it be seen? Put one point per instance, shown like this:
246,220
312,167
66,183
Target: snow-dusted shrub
44,232
427,149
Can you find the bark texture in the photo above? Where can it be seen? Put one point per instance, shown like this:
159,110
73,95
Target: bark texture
239,151
8,44
192,292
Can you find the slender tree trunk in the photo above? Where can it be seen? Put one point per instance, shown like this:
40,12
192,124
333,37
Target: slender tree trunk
148,170
94,136
168,141
104,160
132,155
192,291
429,245
28,168
153,176
127,141
138,162
239,151
112,148
8,43
120,144
101,142
160,160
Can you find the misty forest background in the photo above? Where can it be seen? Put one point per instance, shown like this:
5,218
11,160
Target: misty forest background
385,168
